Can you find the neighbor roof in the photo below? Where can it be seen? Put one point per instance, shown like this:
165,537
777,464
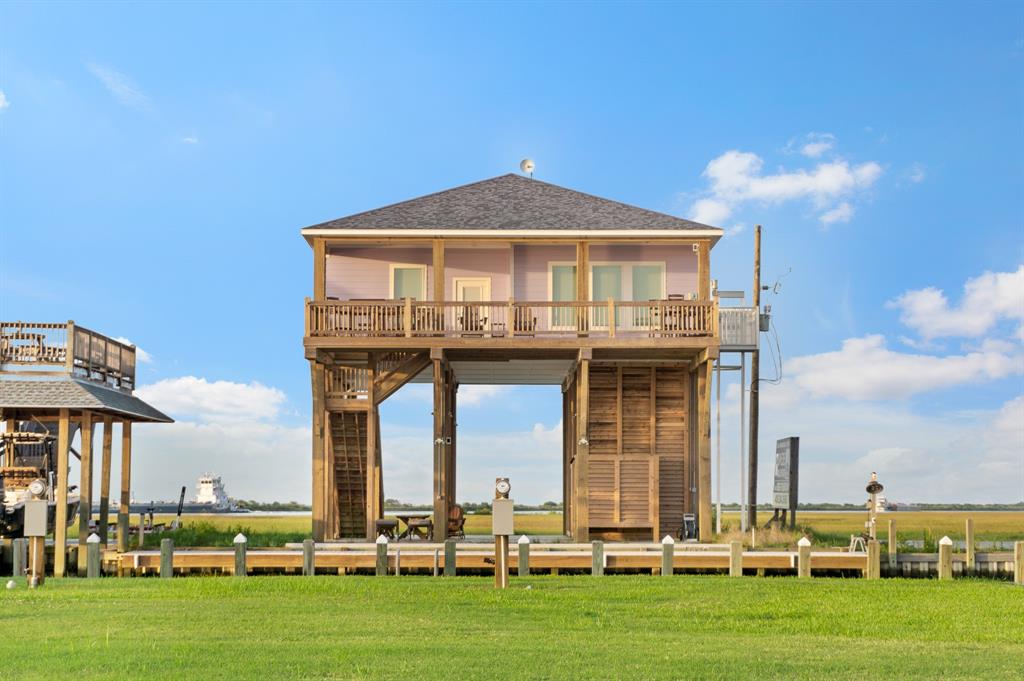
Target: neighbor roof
511,203
71,393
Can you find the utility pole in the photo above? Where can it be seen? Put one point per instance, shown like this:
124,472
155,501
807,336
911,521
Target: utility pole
755,378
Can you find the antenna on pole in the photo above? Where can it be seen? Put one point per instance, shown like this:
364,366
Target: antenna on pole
527,166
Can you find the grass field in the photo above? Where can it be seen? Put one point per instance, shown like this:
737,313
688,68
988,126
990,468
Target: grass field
646,627
826,528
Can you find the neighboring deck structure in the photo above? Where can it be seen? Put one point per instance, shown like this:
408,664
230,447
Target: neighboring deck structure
516,281
54,380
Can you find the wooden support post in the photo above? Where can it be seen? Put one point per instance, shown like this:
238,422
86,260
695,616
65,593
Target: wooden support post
60,528
524,556
735,558
126,480
441,499
398,561
597,558
382,556
142,530
20,547
167,558
873,569
438,270
583,320
969,567
319,268
611,317
945,558
92,557
668,550
85,490
373,481
755,392
108,442
308,557
449,558
581,473
803,559
704,531
1018,562
407,317
241,544
320,454
891,545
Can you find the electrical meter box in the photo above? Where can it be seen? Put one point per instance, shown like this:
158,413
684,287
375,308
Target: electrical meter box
501,517
35,517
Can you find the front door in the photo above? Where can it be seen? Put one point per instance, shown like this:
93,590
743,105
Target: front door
472,318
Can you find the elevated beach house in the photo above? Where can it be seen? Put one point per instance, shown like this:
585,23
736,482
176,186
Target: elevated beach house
516,281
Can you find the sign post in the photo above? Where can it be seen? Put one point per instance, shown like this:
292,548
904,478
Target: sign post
784,492
501,528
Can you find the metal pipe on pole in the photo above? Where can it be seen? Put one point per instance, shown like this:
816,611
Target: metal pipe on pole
755,378
743,442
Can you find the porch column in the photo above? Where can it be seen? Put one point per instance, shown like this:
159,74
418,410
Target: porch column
581,475
452,429
317,378
441,499
124,507
438,270
85,491
60,528
108,441
372,507
704,451
703,270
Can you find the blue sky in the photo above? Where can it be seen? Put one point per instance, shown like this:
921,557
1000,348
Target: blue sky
164,156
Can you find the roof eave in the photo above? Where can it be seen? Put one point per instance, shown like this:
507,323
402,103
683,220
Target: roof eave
712,233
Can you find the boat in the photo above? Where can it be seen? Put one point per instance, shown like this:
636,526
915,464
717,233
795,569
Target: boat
28,456
211,497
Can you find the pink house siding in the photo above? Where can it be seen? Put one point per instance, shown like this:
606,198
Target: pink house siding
478,262
680,262
364,272
531,268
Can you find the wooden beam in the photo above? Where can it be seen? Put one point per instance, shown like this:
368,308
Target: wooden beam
438,269
582,270
371,449
581,493
85,490
440,455
108,442
704,270
60,528
704,451
320,455
124,507
655,473
319,268
386,386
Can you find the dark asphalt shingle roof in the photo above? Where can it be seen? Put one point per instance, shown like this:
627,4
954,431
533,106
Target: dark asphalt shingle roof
71,393
511,202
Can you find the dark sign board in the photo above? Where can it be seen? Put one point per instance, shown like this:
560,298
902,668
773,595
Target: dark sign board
787,460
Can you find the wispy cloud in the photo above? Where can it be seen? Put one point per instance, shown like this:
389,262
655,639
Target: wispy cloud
190,139
4,102
814,144
120,86
736,178
917,173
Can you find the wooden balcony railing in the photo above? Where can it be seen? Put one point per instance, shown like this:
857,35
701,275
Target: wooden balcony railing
46,348
509,319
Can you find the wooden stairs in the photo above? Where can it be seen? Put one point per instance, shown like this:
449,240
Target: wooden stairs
348,442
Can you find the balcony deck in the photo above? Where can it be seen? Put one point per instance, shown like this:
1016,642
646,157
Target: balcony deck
410,323
29,349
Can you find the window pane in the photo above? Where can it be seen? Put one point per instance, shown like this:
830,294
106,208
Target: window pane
607,284
563,288
409,282
646,282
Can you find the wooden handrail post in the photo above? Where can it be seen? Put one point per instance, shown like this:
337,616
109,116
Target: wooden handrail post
241,544
408,317
167,558
306,318
970,546
524,557
308,557
512,318
803,561
69,344
945,558
872,569
668,549
735,558
1018,562
611,318
597,558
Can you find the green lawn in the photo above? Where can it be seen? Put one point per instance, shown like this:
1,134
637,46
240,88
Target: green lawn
563,627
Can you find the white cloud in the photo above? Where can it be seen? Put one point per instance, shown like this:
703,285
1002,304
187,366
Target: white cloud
865,369
735,230
817,143
987,299
214,402
917,173
190,139
710,211
4,102
841,213
140,354
736,177
473,395
120,86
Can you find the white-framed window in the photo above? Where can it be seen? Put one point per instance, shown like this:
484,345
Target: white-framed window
407,281
472,289
631,281
562,288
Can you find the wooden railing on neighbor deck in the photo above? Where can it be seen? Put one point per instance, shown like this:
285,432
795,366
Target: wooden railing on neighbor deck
507,319
47,348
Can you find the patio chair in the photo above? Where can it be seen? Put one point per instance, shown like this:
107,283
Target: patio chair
456,522
387,527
